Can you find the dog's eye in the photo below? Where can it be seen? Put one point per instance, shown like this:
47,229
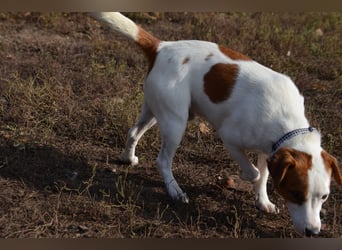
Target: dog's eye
324,197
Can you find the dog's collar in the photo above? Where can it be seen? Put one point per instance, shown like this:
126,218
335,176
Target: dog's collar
290,135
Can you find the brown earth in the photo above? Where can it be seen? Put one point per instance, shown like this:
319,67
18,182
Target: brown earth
70,90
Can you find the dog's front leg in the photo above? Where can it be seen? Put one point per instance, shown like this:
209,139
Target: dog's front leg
260,187
248,171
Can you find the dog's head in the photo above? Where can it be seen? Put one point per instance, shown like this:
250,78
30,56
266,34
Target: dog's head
303,180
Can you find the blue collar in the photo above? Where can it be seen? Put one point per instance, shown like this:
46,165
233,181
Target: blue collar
290,135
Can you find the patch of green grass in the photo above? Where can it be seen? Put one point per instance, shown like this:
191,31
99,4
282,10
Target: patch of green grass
70,90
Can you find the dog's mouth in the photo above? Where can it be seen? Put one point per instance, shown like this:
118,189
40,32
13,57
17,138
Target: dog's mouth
307,232
305,225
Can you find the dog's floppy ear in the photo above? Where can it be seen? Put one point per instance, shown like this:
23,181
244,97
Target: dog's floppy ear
279,164
331,165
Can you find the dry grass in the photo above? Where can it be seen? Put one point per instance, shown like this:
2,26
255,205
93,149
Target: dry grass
70,89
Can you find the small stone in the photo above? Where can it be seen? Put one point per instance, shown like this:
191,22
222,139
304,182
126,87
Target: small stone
203,128
319,32
228,183
83,229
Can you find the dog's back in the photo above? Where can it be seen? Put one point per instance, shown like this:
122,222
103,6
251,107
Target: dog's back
239,90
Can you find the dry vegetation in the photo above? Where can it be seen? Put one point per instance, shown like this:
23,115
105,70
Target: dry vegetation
70,89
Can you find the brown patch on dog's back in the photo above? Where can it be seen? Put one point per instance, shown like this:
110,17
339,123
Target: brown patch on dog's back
232,54
289,170
219,81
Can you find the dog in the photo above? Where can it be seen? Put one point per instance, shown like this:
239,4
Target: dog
252,108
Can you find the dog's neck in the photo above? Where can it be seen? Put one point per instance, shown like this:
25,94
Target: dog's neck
290,135
306,141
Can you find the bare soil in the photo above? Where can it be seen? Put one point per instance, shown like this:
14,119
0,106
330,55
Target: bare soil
70,90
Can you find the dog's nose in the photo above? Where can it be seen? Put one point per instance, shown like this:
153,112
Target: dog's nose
311,232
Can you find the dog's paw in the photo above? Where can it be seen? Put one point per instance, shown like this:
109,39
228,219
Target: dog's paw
176,192
183,198
129,160
180,198
267,207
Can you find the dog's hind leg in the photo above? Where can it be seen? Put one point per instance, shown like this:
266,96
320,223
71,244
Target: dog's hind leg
144,123
172,131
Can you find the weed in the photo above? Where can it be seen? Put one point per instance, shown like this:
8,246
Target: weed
70,90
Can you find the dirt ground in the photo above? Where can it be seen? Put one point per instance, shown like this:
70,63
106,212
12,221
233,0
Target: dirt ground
70,89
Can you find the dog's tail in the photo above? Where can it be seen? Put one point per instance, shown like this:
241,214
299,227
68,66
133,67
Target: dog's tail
118,22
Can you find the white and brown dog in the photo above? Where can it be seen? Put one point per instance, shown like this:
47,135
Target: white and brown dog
250,106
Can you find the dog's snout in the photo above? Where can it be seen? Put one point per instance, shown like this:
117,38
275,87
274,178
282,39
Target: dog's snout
311,232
